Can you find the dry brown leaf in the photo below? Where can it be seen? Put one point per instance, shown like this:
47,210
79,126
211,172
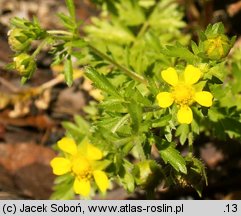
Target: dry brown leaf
16,156
39,121
4,100
26,9
42,102
29,166
21,108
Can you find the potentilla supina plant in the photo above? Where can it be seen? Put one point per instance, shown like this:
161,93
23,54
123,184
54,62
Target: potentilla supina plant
18,40
183,92
25,64
82,162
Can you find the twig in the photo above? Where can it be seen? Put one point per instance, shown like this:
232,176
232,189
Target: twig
53,82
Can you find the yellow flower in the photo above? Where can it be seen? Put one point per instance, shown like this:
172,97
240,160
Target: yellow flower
80,161
183,92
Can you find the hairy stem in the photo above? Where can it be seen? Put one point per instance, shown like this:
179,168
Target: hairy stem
127,71
59,32
40,47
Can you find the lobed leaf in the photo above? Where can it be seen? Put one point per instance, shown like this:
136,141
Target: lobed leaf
170,155
101,82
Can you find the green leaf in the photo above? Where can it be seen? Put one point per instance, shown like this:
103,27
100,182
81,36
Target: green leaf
195,48
183,131
126,176
135,112
137,149
123,141
109,32
130,13
113,105
74,131
24,80
80,43
67,21
179,51
152,40
218,28
137,93
141,98
232,126
63,189
121,122
18,22
101,165
71,8
236,82
109,122
168,133
170,155
10,66
162,121
82,124
68,71
71,127
166,17
101,82
196,177
195,127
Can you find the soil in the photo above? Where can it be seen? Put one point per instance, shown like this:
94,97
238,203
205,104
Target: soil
28,129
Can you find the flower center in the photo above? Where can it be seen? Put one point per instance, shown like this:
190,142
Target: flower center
81,168
183,94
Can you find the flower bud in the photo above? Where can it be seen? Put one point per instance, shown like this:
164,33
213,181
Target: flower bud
17,40
25,64
217,47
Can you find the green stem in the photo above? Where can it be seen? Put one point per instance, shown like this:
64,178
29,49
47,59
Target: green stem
143,29
40,47
190,149
59,32
190,144
61,35
120,123
128,72
151,109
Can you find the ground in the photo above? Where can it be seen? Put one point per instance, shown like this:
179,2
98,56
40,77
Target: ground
31,124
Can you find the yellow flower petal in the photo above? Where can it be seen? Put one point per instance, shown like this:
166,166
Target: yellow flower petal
184,115
67,145
60,165
204,98
191,74
93,153
170,76
164,99
82,187
101,180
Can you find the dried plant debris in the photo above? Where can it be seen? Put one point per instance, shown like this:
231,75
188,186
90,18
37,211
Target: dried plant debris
27,9
22,100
